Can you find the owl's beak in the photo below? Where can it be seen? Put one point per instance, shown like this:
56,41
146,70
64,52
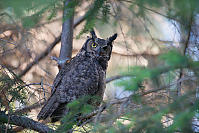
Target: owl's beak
103,50
98,51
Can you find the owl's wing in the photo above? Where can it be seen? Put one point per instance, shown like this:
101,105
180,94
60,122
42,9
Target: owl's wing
78,79
82,79
60,74
52,104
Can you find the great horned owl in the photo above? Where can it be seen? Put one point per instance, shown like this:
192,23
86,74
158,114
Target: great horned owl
83,75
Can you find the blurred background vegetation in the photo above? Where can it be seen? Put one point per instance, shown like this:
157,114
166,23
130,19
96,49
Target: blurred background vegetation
155,60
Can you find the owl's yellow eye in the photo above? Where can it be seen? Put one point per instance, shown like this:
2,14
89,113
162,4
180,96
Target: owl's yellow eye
94,45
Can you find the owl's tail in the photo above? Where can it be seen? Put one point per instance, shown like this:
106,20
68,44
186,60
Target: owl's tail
49,107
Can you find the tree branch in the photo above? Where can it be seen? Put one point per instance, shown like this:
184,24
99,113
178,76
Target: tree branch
29,108
49,49
186,45
24,122
117,77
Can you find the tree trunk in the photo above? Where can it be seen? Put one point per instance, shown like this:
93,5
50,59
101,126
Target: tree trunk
67,35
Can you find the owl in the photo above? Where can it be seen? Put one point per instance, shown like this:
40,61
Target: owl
83,75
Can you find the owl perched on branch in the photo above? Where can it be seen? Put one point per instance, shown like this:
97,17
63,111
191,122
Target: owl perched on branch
83,75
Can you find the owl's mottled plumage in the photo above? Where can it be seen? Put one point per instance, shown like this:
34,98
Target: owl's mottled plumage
83,75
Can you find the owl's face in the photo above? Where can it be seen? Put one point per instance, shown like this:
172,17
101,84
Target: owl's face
99,47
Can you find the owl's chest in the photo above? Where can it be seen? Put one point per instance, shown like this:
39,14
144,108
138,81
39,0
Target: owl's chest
88,67
83,78
84,73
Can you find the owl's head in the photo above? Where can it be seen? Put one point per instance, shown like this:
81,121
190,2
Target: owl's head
98,47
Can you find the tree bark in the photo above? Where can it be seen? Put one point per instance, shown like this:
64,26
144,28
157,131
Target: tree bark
24,122
67,35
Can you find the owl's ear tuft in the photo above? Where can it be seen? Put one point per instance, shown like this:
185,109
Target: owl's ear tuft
93,34
112,38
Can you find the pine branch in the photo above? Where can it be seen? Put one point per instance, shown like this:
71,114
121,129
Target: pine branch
125,99
24,122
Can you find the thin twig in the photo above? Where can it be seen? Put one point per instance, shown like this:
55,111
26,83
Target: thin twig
42,86
117,77
29,108
151,10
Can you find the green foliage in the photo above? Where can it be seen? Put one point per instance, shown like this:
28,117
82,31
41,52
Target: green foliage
105,12
77,108
140,74
92,13
70,8
30,12
174,58
154,3
148,118
141,6
12,88
185,9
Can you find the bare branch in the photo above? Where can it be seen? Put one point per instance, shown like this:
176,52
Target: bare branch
117,77
144,54
41,56
24,122
29,108
153,11
49,49
186,45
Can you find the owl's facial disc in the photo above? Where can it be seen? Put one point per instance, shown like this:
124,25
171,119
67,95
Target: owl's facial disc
99,47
